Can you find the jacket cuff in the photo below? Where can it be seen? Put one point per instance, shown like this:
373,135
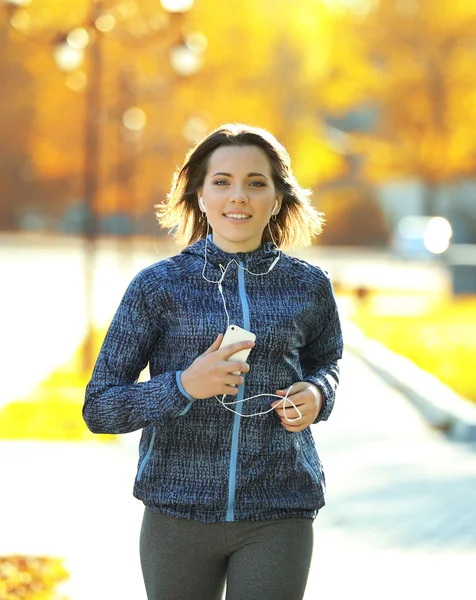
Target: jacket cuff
184,393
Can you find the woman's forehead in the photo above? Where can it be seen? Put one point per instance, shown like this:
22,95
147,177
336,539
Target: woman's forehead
239,160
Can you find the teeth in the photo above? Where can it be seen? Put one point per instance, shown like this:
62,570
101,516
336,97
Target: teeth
236,216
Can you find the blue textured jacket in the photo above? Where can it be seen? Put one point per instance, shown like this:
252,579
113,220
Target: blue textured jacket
196,459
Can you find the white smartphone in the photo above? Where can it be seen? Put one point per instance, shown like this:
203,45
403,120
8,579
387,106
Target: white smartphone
236,334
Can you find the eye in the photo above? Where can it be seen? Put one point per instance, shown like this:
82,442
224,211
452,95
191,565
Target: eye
220,182
257,184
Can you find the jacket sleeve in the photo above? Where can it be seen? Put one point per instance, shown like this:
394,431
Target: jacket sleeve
319,357
114,401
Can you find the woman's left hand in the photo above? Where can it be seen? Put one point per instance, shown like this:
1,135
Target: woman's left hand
307,397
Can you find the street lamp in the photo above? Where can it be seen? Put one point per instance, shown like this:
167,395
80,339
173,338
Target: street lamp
69,54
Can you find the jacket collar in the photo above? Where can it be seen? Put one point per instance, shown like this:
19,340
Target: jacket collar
258,260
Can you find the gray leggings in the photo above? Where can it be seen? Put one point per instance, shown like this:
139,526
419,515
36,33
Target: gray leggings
188,560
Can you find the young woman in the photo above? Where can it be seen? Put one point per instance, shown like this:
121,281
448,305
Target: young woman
228,470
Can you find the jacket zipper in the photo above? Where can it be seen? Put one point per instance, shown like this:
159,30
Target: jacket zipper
145,460
230,513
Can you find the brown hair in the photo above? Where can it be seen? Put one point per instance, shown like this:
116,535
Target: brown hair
297,223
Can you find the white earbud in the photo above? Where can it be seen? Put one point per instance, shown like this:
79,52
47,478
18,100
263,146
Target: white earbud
201,204
274,208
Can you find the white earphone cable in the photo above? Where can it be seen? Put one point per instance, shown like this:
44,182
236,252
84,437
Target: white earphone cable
218,282
283,400
225,269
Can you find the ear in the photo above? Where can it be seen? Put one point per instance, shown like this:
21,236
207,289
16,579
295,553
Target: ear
201,204
277,205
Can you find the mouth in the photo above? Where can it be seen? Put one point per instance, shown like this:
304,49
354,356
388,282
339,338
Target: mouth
232,216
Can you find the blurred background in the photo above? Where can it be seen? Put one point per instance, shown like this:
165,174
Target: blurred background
375,101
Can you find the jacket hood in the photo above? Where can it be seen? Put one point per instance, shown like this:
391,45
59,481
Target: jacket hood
258,260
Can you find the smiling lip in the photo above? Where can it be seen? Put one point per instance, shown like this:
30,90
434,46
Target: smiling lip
237,217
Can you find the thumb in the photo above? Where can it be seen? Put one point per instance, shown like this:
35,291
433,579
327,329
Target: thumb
285,391
215,345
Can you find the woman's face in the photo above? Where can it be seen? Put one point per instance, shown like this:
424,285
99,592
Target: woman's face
239,197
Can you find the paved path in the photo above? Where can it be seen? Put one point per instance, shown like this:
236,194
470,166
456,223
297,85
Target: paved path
400,523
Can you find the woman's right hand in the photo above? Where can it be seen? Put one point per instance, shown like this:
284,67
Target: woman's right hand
210,374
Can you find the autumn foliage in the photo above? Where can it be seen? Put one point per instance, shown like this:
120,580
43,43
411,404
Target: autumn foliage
31,577
403,69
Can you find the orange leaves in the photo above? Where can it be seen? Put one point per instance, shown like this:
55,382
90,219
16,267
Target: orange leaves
315,161
422,53
283,65
31,577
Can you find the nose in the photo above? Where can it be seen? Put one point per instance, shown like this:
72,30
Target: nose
238,195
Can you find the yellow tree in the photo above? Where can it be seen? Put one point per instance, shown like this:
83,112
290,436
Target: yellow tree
268,66
416,68
262,67
16,119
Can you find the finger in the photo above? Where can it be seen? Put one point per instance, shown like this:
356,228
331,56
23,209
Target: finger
228,390
235,367
233,348
288,403
295,398
215,345
292,390
290,409
291,413
234,380
295,423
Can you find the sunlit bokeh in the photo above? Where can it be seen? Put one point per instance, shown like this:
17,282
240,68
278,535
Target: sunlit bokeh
375,102
184,60
78,38
105,23
76,81
67,57
197,42
20,20
438,235
17,2
177,5
194,129
134,119
127,9
358,7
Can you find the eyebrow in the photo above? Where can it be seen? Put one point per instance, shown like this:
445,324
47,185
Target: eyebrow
249,175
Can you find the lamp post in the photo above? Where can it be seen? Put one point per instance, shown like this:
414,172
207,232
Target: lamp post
69,52
90,185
